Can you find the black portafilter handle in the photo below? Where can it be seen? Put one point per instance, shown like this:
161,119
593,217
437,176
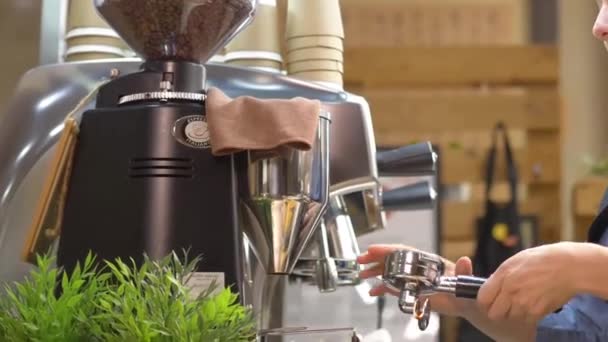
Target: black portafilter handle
417,196
468,287
411,160
460,286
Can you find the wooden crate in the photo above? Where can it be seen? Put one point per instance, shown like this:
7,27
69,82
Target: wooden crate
587,196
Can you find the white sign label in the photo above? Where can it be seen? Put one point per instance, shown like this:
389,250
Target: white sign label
200,282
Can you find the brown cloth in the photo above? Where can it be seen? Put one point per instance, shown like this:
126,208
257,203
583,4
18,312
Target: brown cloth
247,123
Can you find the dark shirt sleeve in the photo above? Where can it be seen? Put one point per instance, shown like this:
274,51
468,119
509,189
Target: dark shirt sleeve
584,318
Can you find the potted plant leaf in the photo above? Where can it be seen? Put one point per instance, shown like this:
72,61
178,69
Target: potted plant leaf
120,301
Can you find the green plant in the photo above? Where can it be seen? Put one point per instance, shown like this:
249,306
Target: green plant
120,302
31,310
597,167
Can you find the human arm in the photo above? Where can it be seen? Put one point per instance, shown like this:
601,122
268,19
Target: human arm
574,323
447,304
538,281
591,276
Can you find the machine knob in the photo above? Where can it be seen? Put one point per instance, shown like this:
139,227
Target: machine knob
412,160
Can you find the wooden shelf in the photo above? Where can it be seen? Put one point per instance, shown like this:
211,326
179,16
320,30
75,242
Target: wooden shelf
588,194
396,109
500,65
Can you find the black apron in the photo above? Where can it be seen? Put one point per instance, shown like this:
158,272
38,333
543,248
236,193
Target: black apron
600,223
498,231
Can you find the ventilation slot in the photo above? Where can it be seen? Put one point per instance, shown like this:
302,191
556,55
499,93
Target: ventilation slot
161,168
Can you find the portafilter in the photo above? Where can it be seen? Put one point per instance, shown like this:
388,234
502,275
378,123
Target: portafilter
416,275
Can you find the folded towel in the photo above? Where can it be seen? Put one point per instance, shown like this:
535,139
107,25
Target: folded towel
247,123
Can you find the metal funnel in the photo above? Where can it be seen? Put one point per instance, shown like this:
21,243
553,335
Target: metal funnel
336,242
176,30
282,198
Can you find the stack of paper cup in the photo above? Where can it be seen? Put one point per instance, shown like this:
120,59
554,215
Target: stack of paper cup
315,41
89,36
219,57
258,46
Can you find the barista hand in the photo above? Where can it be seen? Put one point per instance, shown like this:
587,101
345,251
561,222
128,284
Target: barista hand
533,283
443,303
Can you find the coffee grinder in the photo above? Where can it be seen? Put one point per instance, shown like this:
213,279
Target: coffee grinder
143,178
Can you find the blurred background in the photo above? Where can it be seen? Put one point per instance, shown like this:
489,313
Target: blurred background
449,71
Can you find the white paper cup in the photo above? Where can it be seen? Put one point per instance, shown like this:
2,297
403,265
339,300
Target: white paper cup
255,59
315,65
82,13
94,36
314,17
331,77
217,59
262,34
93,52
257,54
315,53
307,42
262,64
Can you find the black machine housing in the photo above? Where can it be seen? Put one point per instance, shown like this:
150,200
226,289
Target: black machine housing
140,185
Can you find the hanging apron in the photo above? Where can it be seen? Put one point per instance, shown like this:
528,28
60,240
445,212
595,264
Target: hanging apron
498,231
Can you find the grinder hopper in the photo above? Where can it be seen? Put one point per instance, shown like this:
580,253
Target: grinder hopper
177,30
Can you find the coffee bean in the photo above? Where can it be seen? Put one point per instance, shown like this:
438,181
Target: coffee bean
179,30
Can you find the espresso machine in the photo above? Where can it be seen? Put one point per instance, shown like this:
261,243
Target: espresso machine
116,140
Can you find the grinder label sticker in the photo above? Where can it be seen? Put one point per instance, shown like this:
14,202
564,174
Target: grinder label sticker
192,131
200,282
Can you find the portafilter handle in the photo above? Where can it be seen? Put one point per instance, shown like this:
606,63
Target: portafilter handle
460,286
411,160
